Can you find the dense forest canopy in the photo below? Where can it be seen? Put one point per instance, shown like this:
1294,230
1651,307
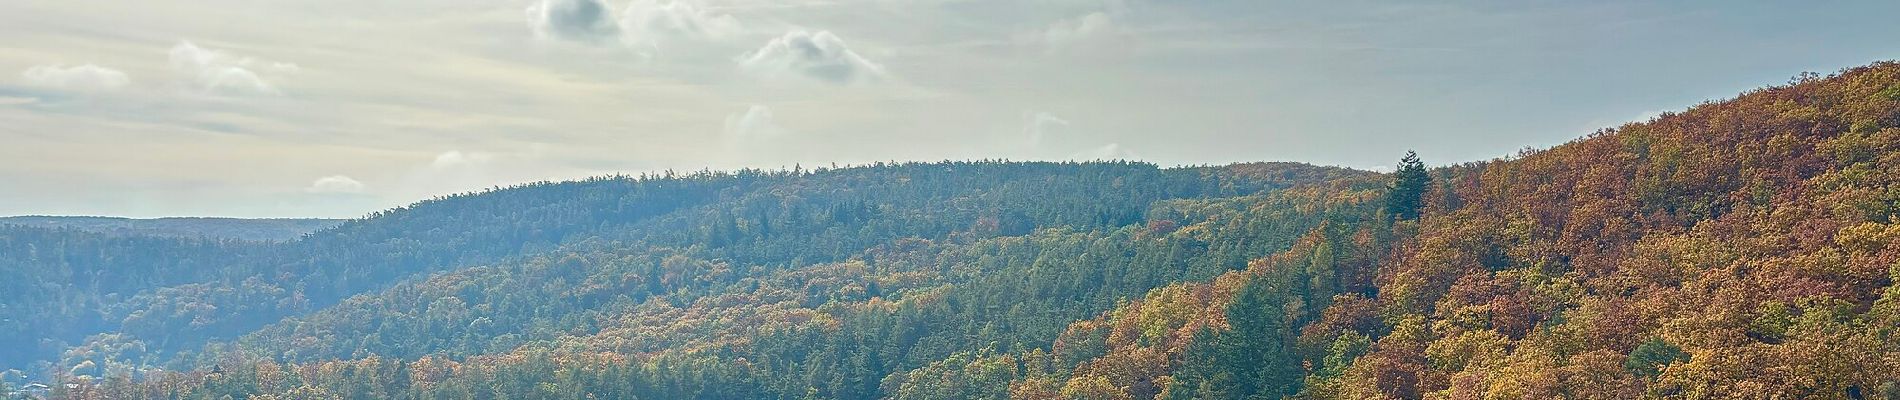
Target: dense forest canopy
1739,249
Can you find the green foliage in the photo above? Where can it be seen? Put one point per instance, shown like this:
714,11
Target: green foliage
1406,196
1891,93
1649,358
1348,347
1251,359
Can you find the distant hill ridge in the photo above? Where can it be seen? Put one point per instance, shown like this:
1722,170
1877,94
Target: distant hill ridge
253,229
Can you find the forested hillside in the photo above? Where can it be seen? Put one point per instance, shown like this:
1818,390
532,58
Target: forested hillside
116,306
1744,249
256,229
1739,249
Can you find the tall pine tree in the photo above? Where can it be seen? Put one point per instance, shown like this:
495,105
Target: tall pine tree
1406,196
1252,359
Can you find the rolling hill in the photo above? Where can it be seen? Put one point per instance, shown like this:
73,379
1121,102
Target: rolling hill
1746,248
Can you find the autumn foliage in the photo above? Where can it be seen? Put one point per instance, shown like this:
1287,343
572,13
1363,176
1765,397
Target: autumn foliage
1746,248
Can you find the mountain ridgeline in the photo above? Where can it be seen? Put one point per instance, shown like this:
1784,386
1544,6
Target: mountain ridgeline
1739,249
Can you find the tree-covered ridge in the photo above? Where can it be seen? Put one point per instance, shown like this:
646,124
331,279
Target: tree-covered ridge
832,329
761,221
228,292
255,229
1742,249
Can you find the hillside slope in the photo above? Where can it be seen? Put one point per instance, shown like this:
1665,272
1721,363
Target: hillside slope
1742,249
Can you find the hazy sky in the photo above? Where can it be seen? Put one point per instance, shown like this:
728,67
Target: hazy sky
336,108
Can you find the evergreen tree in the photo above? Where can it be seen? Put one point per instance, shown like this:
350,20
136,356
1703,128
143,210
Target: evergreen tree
1256,344
1252,359
1200,375
1406,196
1648,358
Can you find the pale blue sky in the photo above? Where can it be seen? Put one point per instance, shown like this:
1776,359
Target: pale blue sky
342,107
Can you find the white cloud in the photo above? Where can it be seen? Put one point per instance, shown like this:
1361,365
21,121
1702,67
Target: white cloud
457,159
87,78
818,55
335,184
218,72
754,124
1105,28
578,20
1078,29
1111,151
1381,168
459,171
651,23
1040,124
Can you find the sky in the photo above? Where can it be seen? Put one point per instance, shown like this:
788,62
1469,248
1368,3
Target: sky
338,108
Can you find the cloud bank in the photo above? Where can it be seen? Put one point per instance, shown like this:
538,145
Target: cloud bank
87,78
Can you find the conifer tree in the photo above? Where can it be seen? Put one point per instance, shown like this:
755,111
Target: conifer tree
1406,196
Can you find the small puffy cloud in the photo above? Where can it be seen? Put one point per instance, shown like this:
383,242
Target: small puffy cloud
755,123
335,184
1078,29
86,78
1104,29
453,159
818,55
1107,152
218,72
463,170
649,23
1040,124
587,21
